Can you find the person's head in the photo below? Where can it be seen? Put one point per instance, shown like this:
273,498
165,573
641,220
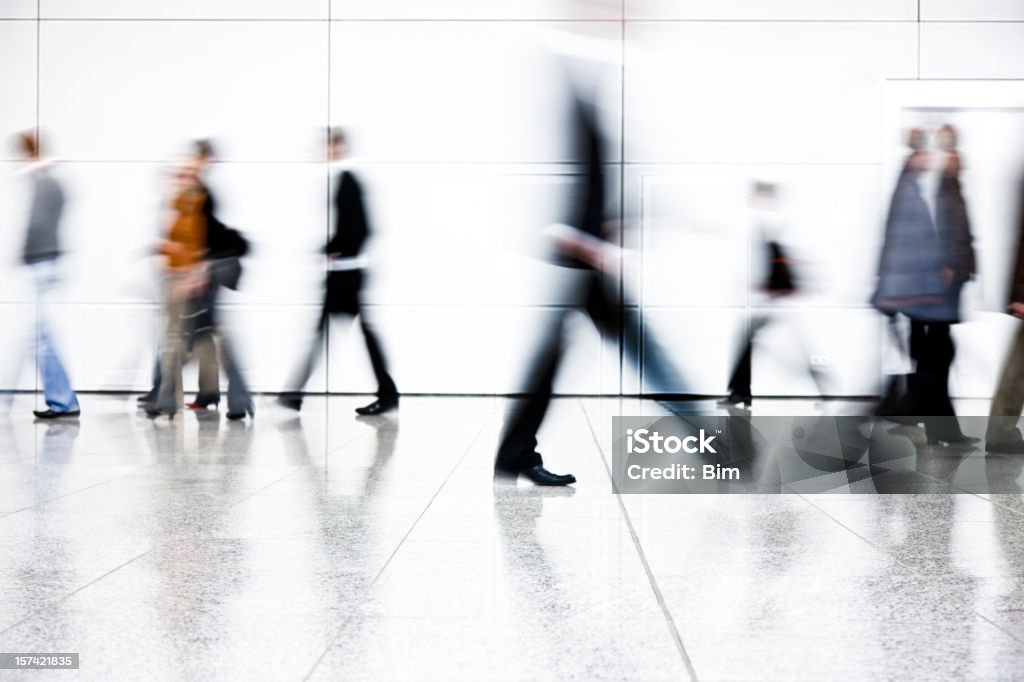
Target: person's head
202,154
335,144
920,158
29,144
763,194
946,138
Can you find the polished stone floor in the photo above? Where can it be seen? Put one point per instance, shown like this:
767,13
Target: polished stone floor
329,548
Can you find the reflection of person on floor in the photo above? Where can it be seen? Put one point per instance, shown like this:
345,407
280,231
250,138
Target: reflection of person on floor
343,295
41,253
926,258
1002,434
776,283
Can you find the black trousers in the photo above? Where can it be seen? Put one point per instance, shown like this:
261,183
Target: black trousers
343,299
600,299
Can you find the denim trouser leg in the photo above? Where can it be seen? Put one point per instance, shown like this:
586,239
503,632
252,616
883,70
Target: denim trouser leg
57,391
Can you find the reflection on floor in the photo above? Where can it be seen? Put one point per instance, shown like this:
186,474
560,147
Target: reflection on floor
296,548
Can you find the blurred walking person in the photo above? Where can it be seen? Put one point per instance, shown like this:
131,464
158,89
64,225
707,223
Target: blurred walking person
772,267
184,277
1002,434
41,253
926,259
204,336
343,294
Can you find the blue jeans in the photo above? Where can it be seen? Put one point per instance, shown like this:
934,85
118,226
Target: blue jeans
57,391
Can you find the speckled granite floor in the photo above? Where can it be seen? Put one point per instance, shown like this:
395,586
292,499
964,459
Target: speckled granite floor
332,548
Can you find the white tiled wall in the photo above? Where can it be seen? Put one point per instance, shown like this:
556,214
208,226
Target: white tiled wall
456,118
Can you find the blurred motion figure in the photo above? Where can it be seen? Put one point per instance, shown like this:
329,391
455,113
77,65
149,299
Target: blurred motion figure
41,253
343,294
777,281
926,258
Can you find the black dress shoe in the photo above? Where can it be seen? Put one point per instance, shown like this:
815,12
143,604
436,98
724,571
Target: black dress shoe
378,407
50,414
733,399
154,413
236,416
541,476
1014,447
290,402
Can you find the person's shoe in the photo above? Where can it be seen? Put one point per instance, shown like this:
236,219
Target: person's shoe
537,474
541,476
236,416
733,399
290,402
50,414
203,402
154,413
378,407
147,398
1013,447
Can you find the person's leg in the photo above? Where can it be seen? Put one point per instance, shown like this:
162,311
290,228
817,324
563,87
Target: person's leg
239,396
386,389
172,346
517,449
1009,398
205,350
291,397
57,391
739,382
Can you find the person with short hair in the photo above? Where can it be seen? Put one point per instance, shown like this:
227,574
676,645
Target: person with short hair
343,294
41,253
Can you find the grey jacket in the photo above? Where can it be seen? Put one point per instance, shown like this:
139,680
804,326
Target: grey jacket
42,241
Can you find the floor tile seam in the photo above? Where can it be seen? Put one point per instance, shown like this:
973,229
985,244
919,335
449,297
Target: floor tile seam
79,490
57,602
655,588
976,612
357,610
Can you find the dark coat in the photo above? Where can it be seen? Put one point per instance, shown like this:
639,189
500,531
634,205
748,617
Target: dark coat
910,279
351,230
954,230
1017,276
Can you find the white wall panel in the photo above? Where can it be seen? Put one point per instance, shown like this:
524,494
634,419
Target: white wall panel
888,10
258,87
473,9
18,9
761,92
182,9
17,363
430,349
17,81
842,344
461,91
972,50
701,241
972,10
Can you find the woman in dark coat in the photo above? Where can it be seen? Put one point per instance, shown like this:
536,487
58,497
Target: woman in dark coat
923,267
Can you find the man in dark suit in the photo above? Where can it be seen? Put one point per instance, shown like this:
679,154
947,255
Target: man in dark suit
344,287
580,245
